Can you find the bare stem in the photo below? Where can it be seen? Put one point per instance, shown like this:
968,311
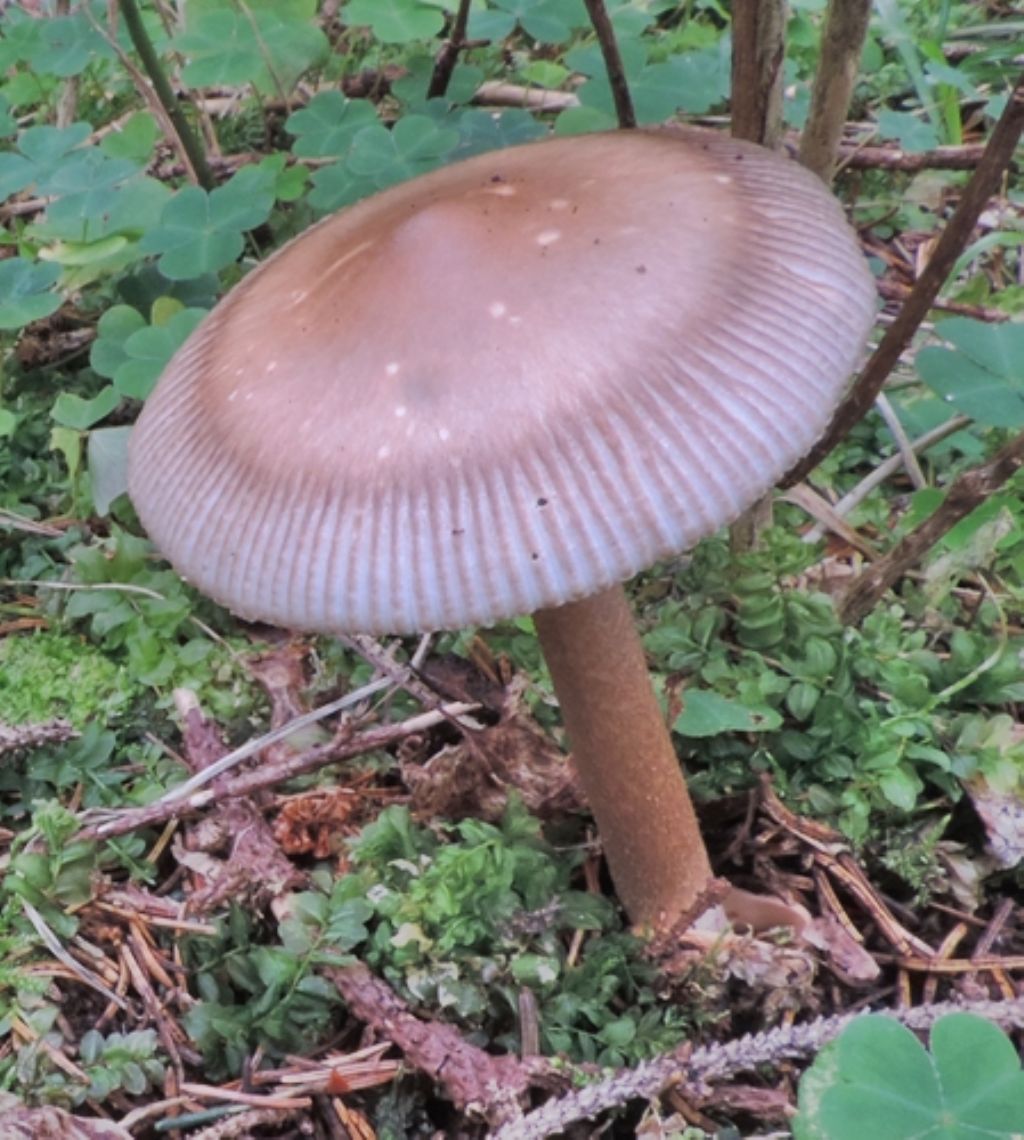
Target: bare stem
162,87
842,41
605,33
444,65
758,51
624,756
67,101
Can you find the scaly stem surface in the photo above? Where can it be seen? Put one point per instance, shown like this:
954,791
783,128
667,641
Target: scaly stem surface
624,756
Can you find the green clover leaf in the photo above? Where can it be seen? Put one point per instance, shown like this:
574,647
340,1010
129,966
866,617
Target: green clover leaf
876,1079
982,375
706,713
327,126
68,44
132,353
201,232
270,43
43,151
413,146
396,21
25,292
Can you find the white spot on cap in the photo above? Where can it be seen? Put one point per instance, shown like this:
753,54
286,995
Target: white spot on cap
559,203
497,309
443,434
401,410
297,296
548,237
383,452
271,365
248,396
724,179
501,190
392,368
233,395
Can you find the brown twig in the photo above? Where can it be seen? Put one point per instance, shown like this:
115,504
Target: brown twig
362,1069
344,746
18,737
67,100
842,41
167,1030
605,33
953,965
965,493
981,187
53,944
474,1081
255,868
903,443
181,132
218,1093
494,93
803,495
887,467
895,291
964,157
831,853
448,56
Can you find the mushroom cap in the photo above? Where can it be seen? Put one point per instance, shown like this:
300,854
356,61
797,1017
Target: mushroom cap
504,385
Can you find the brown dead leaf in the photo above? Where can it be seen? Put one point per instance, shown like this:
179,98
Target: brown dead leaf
282,673
1002,813
480,681
777,976
316,823
474,777
844,954
254,867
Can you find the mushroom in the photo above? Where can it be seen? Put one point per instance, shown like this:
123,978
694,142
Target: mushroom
502,388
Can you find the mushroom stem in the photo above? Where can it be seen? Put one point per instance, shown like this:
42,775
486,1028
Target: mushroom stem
624,756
